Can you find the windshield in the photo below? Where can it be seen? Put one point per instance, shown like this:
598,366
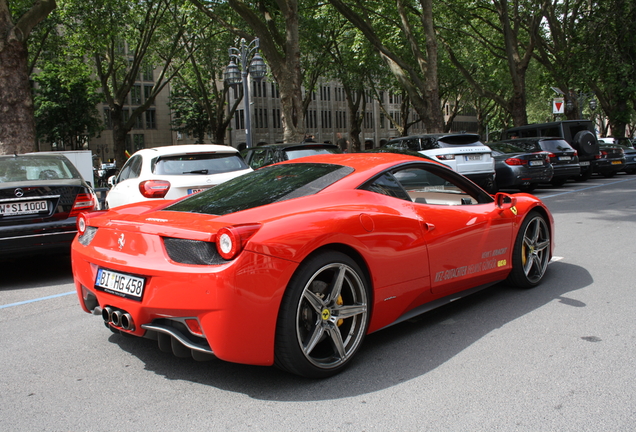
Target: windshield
199,163
267,185
15,169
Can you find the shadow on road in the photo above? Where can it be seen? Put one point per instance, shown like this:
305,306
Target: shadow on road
388,357
35,271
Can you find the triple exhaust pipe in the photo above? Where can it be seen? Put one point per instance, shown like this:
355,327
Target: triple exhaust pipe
118,318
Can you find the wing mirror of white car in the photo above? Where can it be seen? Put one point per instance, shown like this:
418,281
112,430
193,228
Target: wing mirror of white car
112,180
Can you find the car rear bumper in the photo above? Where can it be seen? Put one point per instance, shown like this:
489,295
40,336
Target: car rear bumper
235,304
35,238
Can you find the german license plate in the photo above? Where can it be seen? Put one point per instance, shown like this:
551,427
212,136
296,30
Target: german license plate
473,157
584,163
536,163
195,190
121,284
616,162
23,207
565,157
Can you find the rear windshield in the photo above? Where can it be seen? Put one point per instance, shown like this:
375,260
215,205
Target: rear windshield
501,148
459,140
19,168
298,153
556,145
267,185
200,163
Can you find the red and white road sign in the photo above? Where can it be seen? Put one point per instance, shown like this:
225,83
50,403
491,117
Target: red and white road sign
558,107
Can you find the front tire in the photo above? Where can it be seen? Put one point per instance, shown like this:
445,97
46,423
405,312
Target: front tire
324,316
531,254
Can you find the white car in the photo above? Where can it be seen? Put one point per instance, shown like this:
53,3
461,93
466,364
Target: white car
464,153
172,172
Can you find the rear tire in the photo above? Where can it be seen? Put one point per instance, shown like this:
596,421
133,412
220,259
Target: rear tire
324,316
531,253
558,182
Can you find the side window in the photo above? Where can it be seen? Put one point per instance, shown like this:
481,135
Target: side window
131,169
412,144
424,186
259,158
525,133
386,184
429,143
550,132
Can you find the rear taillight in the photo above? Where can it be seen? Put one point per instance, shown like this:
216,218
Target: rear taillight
83,202
81,223
515,161
154,188
445,157
231,240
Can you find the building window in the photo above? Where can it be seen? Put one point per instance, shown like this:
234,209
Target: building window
147,73
148,93
275,91
139,124
108,122
135,95
239,119
138,142
151,119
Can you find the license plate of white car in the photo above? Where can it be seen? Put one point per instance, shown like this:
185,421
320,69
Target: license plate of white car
120,283
536,163
565,158
473,157
23,207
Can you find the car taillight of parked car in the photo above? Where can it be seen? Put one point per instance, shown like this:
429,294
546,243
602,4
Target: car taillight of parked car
154,188
445,157
515,161
83,202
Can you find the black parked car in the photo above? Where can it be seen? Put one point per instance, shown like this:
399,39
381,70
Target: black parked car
268,154
611,160
40,198
580,134
519,168
630,159
563,157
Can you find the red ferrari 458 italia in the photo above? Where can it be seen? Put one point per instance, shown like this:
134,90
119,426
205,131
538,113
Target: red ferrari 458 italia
293,264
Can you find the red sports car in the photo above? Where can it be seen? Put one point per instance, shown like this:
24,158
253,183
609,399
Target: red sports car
293,264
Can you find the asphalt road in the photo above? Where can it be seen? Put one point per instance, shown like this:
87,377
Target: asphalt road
560,357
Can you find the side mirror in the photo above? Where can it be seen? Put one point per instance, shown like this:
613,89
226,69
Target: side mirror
112,180
505,201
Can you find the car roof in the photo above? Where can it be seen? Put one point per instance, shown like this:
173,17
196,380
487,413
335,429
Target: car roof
186,148
36,156
294,145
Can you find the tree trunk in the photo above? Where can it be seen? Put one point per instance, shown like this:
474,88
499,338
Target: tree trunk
17,121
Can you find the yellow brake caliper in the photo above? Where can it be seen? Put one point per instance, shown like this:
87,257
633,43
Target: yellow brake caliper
340,302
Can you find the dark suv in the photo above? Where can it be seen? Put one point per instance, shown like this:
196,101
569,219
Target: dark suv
268,154
580,134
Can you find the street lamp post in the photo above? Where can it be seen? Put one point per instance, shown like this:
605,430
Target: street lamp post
251,64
